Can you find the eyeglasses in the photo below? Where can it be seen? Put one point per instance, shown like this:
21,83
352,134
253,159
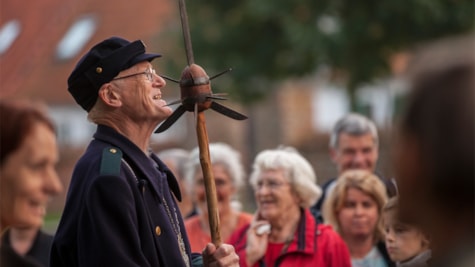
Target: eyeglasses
271,184
148,72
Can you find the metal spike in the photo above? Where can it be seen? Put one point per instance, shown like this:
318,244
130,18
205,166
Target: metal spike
170,79
227,111
170,120
221,73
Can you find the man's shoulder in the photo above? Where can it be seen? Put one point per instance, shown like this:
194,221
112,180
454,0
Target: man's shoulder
389,183
98,162
104,155
328,182
110,161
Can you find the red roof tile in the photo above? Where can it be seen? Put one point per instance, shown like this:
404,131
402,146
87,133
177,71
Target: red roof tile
30,68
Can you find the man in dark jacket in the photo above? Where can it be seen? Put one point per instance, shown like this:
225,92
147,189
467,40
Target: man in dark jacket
120,210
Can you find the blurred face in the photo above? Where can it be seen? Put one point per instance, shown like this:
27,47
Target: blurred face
359,215
224,189
274,195
29,179
355,152
141,97
403,242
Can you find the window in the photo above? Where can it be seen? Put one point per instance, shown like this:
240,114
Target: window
8,34
77,36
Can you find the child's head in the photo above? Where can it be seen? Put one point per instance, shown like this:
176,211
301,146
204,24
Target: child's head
403,241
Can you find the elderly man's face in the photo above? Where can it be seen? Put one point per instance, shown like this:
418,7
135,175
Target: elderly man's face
142,98
355,152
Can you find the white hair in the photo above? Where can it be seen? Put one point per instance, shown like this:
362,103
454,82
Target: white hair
220,153
297,170
178,156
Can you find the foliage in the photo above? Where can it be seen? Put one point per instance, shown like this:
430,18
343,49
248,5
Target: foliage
267,41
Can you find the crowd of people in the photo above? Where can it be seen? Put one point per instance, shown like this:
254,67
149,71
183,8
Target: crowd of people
127,205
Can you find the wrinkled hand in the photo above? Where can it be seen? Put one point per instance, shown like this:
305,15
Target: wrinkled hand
256,245
223,256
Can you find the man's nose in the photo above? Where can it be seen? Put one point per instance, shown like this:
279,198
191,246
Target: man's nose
358,159
159,80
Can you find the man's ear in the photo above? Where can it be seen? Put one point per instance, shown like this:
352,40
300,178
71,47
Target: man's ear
109,96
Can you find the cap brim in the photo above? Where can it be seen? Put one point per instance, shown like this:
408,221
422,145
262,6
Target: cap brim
143,57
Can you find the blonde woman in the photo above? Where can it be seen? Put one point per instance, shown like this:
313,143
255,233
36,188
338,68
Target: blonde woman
354,209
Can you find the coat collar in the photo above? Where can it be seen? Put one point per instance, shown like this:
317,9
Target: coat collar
144,166
304,239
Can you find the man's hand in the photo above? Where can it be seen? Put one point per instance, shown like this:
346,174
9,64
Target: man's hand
223,256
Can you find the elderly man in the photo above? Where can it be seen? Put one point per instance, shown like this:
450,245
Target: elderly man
120,209
353,145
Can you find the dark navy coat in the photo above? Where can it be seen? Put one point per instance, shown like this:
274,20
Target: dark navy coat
115,214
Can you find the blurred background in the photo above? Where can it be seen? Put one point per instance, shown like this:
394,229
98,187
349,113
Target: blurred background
298,66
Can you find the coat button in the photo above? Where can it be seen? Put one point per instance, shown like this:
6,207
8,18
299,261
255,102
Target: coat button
158,230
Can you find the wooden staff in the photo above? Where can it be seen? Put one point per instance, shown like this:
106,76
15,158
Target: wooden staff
210,186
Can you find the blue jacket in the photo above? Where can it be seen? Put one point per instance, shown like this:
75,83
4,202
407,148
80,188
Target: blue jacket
118,209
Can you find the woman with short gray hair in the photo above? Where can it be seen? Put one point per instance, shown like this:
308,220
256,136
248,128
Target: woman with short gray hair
228,174
283,231
298,172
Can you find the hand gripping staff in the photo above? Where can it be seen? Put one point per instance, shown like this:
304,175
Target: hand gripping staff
196,96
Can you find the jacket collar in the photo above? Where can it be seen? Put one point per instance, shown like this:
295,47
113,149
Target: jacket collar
138,160
304,239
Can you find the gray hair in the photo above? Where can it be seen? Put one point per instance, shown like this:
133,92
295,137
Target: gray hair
220,153
297,170
353,124
178,156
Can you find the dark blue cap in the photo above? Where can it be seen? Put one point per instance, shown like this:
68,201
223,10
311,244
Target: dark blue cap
101,64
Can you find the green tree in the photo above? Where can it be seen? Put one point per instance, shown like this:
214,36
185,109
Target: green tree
266,41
